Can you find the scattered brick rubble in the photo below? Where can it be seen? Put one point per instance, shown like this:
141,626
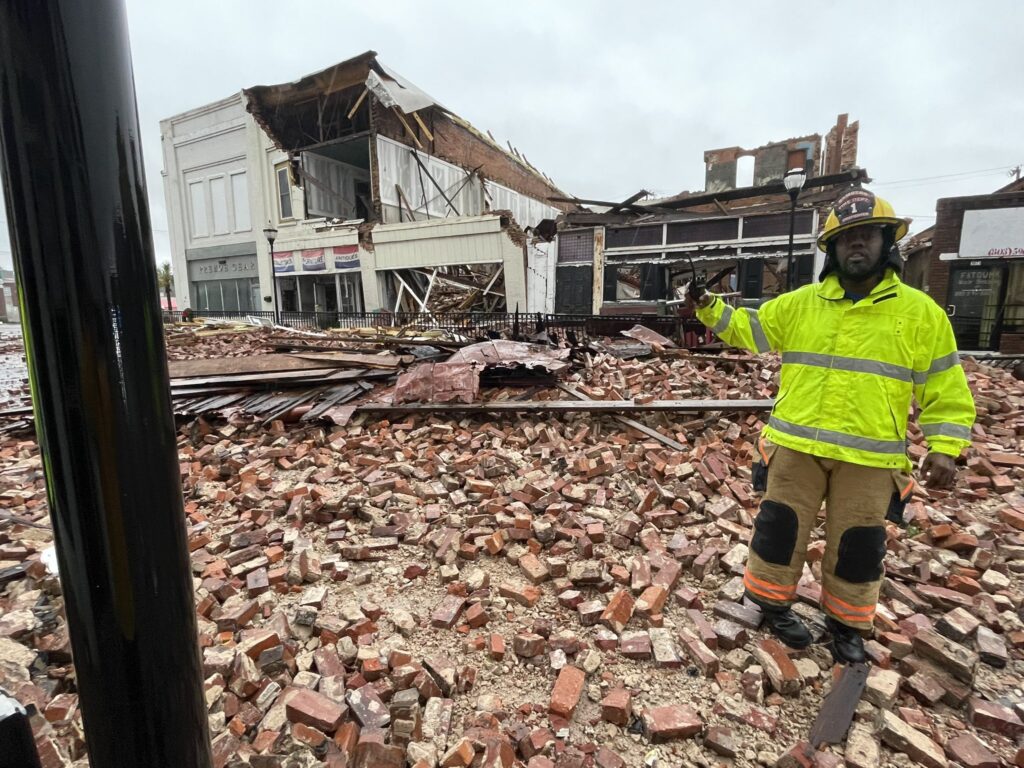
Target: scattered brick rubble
192,341
544,592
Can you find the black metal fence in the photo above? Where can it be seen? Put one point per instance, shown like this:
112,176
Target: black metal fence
471,324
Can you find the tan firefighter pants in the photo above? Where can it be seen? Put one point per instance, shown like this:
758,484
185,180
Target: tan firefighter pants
856,500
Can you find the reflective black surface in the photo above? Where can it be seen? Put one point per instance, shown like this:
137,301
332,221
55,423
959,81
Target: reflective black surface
17,745
80,231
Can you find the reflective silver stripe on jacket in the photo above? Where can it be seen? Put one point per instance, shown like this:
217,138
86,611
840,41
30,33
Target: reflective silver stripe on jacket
944,363
946,429
843,439
723,322
939,364
760,340
856,364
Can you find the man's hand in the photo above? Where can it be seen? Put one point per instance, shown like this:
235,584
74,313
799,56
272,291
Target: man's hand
697,295
938,470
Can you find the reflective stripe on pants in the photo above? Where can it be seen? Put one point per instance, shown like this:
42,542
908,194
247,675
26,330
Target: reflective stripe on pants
856,499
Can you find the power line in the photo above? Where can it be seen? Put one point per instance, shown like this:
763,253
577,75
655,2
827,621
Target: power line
978,172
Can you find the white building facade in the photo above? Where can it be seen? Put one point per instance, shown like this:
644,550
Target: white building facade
365,220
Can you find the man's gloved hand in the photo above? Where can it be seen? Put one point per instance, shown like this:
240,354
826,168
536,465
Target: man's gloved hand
938,470
697,293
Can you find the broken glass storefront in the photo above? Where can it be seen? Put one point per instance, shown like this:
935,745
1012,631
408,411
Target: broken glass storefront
225,285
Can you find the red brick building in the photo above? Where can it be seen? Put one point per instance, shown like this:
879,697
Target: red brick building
972,263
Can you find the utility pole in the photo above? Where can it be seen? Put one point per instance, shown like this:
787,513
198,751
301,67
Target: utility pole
71,161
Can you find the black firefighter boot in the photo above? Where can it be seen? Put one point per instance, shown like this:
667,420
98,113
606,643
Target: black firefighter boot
847,644
786,626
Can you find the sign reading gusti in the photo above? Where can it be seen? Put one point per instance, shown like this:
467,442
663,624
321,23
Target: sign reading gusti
994,234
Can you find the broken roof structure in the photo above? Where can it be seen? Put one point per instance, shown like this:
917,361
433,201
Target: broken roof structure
331,106
635,255
383,199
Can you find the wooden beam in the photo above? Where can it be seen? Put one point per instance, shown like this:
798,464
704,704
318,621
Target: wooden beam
433,181
570,406
631,423
422,125
628,201
402,199
359,103
408,128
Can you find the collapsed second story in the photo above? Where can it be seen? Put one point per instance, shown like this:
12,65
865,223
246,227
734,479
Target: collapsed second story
744,231
333,161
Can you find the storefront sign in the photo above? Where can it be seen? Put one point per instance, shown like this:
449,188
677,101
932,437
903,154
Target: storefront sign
222,269
346,257
284,262
313,260
993,234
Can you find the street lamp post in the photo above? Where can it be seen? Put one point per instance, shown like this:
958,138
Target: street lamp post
794,182
270,233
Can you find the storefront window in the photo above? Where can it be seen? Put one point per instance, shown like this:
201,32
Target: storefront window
1013,309
238,295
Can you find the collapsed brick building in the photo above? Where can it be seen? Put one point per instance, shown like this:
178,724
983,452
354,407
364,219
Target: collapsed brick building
380,197
972,262
505,582
630,257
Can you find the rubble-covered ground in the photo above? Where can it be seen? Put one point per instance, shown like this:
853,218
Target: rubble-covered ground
545,591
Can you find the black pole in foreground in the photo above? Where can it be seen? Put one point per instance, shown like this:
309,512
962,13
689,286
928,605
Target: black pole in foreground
17,747
80,231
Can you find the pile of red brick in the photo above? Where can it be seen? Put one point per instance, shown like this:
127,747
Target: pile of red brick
545,592
194,342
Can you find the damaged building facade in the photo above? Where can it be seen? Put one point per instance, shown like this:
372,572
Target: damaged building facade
972,263
633,256
382,198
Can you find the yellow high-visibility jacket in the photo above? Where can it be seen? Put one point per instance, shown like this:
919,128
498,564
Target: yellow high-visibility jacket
849,370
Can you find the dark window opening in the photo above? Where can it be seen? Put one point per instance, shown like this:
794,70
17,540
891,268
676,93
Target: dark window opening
777,225
635,282
805,269
627,237
751,278
703,231
284,192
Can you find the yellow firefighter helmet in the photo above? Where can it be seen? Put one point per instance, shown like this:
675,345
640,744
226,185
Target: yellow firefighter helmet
856,208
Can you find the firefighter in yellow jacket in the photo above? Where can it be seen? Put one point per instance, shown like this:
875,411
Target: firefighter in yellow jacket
856,348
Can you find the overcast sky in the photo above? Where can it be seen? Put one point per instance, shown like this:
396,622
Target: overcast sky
608,98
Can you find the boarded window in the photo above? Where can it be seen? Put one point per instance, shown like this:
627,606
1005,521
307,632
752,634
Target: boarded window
219,198
777,225
197,204
797,158
703,230
576,247
240,201
629,237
